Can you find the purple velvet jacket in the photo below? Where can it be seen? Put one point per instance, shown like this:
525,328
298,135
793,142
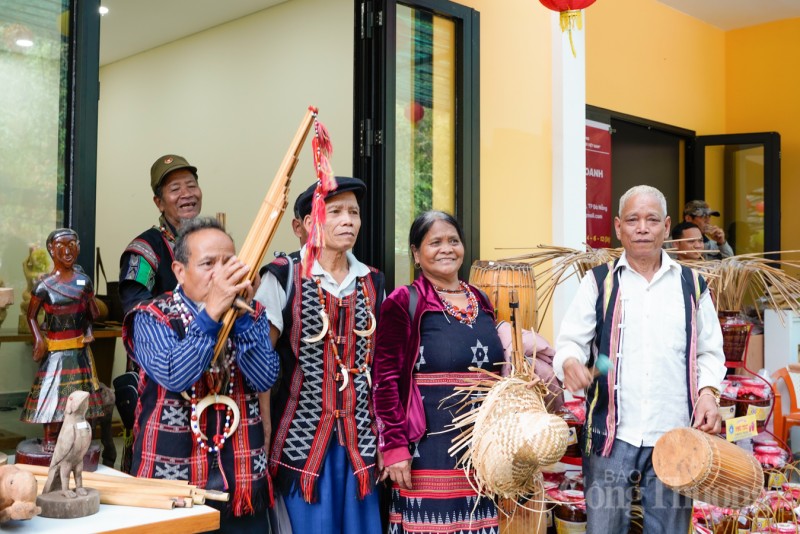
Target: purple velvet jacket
396,353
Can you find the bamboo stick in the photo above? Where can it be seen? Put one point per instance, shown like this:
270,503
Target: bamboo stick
135,499
179,490
41,470
128,498
266,222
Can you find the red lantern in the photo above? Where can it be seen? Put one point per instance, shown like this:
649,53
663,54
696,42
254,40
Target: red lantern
566,5
414,112
570,14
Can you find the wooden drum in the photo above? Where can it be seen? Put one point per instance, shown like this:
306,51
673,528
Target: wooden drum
707,468
498,278
532,517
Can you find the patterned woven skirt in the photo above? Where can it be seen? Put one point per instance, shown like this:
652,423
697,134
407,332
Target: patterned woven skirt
60,373
442,499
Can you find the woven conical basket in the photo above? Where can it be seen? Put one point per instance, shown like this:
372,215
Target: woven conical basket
509,451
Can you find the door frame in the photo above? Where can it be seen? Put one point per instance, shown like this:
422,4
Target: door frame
375,34
695,177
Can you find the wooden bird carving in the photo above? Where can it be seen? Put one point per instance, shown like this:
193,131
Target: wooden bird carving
72,444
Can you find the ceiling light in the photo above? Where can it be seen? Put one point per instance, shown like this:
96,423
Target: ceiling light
24,43
103,11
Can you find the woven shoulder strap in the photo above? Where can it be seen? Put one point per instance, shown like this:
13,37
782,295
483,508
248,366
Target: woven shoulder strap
604,277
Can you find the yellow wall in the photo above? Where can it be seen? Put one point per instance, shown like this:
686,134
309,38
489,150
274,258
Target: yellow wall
761,96
516,124
651,61
516,128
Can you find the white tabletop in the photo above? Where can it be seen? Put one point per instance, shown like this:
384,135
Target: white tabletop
111,518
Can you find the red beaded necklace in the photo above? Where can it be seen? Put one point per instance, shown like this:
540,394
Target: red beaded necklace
213,378
464,316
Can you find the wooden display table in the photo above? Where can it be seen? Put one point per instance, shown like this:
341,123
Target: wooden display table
110,518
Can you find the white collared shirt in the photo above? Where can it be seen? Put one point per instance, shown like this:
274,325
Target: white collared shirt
651,384
273,296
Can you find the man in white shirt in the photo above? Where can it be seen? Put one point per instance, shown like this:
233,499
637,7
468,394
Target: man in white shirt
657,325
324,447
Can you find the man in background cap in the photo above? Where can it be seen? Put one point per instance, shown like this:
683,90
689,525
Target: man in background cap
146,264
324,445
698,212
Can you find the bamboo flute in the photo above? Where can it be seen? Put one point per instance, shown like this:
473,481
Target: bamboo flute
269,216
42,470
135,499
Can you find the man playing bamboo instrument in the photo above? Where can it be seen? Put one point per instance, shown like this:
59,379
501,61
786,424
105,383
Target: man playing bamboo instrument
172,338
656,322
324,443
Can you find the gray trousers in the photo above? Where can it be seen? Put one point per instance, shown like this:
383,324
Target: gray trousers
609,486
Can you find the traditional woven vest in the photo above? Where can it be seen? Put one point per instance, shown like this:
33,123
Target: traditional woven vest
602,415
155,246
165,446
308,404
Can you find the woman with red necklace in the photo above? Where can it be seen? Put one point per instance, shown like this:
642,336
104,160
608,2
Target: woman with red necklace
429,335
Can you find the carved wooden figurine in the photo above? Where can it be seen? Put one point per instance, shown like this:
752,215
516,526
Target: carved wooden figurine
61,341
73,442
57,500
17,494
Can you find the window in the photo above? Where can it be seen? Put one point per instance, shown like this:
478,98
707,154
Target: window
416,125
48,125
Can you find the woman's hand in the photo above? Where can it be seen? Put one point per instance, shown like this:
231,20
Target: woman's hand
400,473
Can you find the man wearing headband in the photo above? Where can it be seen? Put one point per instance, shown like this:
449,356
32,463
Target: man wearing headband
324,443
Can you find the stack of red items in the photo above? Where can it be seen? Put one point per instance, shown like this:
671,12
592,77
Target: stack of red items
574,414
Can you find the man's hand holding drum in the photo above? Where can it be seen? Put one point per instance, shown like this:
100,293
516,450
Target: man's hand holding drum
706,412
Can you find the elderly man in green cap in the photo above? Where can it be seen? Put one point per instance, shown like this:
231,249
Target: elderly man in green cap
146,263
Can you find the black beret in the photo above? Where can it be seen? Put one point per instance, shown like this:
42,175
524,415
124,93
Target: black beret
302,206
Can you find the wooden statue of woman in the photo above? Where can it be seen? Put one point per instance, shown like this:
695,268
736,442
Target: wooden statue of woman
61,341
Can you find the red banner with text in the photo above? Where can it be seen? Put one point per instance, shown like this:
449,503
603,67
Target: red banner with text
598,185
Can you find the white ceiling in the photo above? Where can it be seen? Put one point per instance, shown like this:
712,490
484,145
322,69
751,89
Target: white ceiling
133,26
734,14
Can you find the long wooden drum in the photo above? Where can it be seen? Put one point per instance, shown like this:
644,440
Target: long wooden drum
530,518
497,279
707,468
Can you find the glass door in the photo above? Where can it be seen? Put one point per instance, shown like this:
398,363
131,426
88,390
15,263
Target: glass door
745,168
417,125
425,129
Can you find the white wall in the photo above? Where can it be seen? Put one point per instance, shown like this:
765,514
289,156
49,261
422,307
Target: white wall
229,99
